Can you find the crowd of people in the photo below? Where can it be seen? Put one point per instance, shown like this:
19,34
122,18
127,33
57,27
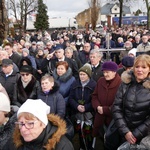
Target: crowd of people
47,78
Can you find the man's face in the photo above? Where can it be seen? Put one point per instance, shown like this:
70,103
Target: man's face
87,47
145,39
59,53
8,49
94,59
7,69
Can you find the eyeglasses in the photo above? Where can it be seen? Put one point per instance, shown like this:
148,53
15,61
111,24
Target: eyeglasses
28,125
24,74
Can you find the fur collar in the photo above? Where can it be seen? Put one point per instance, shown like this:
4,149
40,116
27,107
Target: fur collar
53,140
127,77
65,77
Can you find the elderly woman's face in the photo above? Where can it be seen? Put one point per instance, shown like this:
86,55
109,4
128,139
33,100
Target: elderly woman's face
25,76
30,129
83,76
109,75
141,71
61,70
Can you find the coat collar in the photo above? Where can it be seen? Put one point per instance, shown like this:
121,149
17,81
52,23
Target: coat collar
128,76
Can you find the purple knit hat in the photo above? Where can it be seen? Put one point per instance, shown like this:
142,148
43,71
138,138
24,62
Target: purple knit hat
109,66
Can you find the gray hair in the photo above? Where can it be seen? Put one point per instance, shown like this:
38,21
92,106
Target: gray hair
97,51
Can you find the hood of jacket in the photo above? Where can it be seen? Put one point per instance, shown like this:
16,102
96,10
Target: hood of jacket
128,77
53,136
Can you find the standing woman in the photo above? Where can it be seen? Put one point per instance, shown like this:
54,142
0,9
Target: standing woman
63,75
26,87
81,106
131,111
104,96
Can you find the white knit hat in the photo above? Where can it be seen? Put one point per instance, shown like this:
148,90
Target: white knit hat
4,103
37,108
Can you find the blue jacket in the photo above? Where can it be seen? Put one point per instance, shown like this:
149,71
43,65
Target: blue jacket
65,81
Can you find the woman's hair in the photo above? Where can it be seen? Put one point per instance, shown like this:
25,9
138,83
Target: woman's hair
144,58
26,115
64,63
47,76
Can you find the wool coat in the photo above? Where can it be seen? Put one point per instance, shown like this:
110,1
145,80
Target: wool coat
104,95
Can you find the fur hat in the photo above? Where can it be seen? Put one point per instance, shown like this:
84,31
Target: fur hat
25,50
37,107
87,69
26,68
4,103
109,66
128,61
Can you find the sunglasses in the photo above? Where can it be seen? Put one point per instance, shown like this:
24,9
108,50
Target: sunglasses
24,74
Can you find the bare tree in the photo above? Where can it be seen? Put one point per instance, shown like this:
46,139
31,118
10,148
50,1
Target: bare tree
95,11
148,13
20,9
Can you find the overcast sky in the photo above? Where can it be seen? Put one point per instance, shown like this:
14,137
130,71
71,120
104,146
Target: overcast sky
70,8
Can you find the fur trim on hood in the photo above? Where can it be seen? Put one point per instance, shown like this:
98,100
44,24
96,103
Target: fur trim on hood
127,77
53,140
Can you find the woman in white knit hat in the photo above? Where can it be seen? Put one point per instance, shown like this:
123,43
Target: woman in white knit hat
7,121
36,129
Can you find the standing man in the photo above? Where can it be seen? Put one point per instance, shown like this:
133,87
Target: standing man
145,45
8,77
12,55
84,54
96,63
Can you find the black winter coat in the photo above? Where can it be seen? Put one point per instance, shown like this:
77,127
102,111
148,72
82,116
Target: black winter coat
31,91
132,113
9,83
78,94
6,131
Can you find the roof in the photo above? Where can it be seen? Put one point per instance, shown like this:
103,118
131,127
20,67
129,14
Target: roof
106,9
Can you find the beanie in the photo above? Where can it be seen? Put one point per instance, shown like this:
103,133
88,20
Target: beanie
4,103
109,66
132,51
128,61
25,50
37,107
87,69
26,68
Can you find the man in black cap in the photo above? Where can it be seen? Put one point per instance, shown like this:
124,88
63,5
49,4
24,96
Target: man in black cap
50,64
8,77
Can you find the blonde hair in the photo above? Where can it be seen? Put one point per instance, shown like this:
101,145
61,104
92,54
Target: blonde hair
47,76
144,58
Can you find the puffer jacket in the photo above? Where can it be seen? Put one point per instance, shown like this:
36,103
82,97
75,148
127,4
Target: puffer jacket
52,138
55,100
131,109
65,81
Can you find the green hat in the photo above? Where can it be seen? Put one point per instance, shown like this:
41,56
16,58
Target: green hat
87,69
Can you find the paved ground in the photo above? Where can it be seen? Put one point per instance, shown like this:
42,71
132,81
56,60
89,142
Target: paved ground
98,145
